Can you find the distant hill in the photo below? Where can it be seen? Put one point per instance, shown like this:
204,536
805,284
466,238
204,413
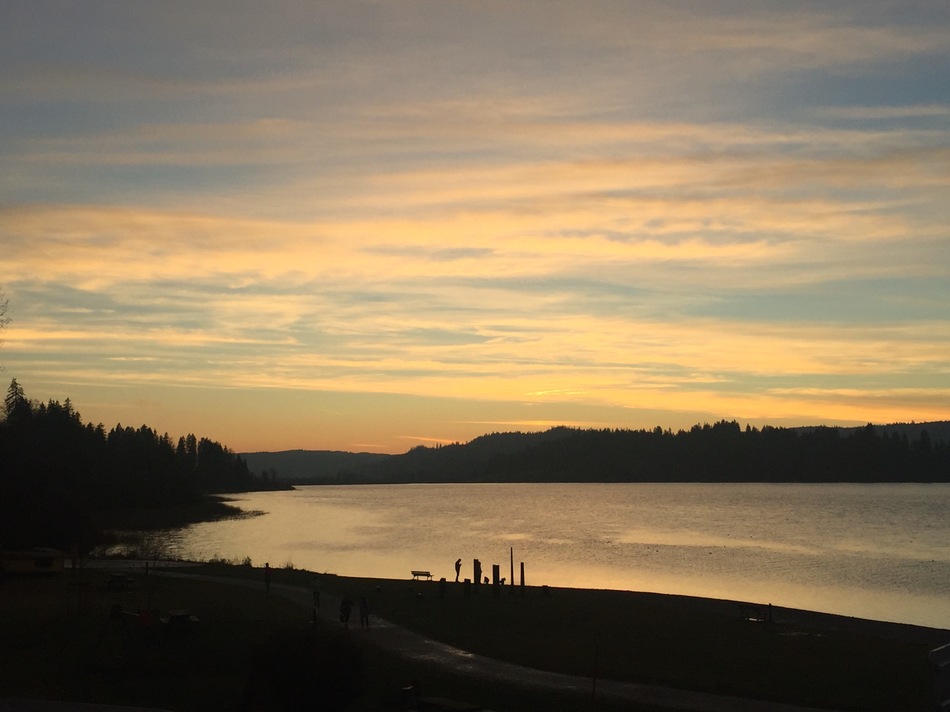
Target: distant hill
723,452
309,466
322,466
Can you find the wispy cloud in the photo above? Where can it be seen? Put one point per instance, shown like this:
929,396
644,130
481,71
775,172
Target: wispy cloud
630,214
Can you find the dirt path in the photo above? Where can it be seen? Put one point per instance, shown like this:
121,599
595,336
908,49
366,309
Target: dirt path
411,646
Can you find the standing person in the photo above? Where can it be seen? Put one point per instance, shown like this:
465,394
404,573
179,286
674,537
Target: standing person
346,607
267,577
458,569
364,612
316,601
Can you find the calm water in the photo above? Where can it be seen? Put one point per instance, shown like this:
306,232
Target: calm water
873,551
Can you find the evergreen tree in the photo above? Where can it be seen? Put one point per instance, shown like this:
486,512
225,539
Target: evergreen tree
56,472
15,405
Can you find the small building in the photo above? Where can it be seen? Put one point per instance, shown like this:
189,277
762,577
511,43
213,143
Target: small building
32,561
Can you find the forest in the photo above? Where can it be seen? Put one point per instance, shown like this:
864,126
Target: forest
64,482
722,452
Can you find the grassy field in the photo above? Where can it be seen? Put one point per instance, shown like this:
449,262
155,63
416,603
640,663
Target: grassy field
688,643
61,640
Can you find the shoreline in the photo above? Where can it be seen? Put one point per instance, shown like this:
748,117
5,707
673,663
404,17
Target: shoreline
725,607
657,641
781,615
850,585
847,565
693,645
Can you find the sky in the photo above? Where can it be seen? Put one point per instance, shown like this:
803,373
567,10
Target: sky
367,226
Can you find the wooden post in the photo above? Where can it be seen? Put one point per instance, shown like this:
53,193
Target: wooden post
496,580
522,578
511,554
477,574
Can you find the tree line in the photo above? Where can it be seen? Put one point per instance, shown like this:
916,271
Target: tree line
722,452
61,478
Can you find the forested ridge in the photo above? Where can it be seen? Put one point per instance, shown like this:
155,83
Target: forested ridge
61,480
722,452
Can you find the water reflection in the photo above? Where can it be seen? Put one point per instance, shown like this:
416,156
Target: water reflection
870,551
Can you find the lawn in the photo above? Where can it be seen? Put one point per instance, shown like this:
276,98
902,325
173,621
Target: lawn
688,643
63,639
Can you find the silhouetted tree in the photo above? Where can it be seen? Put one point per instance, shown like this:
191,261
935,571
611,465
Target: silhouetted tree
58,477
722,452
15,405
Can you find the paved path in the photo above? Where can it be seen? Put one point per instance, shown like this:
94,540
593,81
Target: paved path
432,653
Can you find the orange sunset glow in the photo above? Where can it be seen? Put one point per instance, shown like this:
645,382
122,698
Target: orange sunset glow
367,226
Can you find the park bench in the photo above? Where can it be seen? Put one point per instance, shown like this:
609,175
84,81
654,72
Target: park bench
421,574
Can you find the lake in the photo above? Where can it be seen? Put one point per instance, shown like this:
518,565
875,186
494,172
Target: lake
872,551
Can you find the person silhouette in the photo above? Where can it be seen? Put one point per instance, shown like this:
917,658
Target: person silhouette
364,612
346,607
458,569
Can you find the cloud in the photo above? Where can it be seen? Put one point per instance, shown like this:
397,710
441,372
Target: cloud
622,208
874,113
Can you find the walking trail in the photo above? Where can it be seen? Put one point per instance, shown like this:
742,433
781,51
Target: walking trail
415,647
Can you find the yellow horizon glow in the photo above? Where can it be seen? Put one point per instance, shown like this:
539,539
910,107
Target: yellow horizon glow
465,215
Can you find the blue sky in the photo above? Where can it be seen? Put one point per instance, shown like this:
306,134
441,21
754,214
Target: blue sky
369,225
